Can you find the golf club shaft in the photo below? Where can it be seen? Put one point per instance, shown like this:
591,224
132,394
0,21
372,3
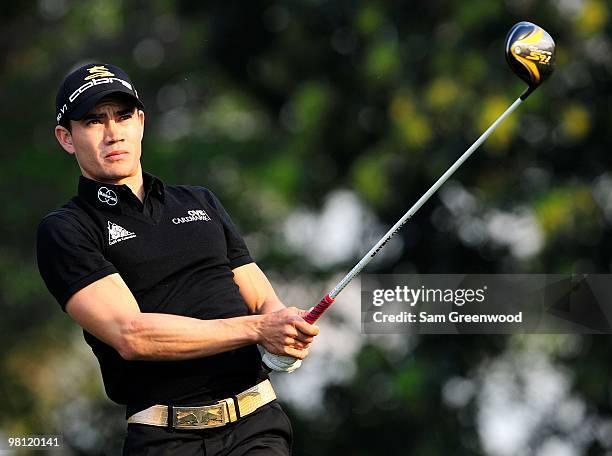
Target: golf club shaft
316,312
278,362
530,52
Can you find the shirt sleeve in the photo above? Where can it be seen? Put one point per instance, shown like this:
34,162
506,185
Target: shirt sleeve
237,251
68,257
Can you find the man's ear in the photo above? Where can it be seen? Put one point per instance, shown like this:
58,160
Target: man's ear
141,118
64,137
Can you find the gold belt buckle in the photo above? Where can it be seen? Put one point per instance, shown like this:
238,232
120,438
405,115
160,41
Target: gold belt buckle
208,416
198,417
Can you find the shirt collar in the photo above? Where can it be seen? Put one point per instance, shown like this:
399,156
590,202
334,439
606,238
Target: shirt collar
154,186
112,197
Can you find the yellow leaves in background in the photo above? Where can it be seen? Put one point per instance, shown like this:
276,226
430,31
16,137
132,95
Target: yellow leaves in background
442,93
413,128
567,210
370,178
499,140
554,211
592,18
575,121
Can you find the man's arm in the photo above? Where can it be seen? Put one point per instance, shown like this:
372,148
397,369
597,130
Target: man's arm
256,289
108,310
261,299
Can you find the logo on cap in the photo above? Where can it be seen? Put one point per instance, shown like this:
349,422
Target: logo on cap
107,196
88,81
98,71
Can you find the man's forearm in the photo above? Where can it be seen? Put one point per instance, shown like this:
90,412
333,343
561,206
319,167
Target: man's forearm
256,290
166,337
270,305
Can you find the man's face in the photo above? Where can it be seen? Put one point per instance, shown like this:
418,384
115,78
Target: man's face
107,141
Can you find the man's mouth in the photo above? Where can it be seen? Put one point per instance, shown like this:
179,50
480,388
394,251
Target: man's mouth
116,155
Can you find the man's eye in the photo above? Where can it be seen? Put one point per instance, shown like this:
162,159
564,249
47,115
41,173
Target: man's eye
126,116
93,121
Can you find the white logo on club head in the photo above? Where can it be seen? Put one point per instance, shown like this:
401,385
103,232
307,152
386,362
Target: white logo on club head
107,196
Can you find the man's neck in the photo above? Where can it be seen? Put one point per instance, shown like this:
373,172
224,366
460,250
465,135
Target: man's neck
136,184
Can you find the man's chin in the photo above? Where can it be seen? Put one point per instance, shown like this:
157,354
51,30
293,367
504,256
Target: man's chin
117,176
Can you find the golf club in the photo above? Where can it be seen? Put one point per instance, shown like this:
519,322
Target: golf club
530,52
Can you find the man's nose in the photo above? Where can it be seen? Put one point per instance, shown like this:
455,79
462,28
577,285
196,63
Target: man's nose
113,132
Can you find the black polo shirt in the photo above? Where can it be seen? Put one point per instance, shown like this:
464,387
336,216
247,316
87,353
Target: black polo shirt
175,251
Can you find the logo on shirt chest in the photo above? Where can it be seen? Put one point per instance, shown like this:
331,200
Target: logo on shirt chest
117,233
192,216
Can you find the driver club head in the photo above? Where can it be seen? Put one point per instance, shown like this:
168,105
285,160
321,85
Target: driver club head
530,52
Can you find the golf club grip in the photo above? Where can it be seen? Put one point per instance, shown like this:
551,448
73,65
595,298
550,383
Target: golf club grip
318,310
272,362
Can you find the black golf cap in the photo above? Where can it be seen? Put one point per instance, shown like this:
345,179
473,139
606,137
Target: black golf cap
85,86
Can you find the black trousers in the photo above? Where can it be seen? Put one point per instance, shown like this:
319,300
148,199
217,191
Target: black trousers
267,431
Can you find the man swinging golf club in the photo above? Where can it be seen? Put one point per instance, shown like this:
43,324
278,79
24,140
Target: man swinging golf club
160,280
106,257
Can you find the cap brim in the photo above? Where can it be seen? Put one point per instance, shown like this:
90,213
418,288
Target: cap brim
88,104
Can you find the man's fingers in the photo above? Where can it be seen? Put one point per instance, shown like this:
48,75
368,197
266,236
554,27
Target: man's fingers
289,342
300,345
297,340
301,330
306,328
303,339
296,353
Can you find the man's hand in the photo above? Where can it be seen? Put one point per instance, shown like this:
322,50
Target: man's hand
282,332
286,333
